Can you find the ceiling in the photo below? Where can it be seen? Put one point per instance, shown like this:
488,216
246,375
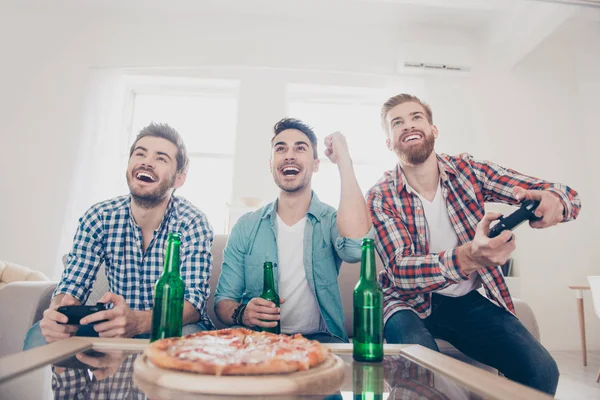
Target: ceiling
512,27
470,14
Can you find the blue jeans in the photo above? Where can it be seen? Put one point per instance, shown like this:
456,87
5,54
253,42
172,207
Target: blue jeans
482,331
34,337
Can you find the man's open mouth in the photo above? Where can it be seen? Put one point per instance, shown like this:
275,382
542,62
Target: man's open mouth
145,176
290,170
412,136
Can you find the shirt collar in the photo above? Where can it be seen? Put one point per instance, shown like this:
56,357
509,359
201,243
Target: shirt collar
398,178
316,208
171,210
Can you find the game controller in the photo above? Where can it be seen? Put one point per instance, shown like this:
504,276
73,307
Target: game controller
74,363
510,222
76,313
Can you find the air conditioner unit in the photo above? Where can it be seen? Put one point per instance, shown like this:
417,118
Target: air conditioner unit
419,58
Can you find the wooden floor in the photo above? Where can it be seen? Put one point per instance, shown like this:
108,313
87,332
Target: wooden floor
576,381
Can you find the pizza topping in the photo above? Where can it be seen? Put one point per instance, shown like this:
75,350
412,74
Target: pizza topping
237,351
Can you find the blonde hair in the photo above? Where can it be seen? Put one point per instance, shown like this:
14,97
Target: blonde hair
399,99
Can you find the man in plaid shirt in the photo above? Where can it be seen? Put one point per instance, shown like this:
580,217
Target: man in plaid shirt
128,234
432,236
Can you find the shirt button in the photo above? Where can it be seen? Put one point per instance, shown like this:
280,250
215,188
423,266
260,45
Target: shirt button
421,235
419,208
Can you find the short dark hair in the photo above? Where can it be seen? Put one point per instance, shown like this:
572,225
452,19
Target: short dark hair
399,99
166,132
293,123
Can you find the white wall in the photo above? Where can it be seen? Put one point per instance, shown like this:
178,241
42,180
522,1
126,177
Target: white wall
533,119
546,102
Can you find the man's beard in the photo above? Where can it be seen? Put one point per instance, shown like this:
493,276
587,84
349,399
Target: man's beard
416,154
153,198
292,189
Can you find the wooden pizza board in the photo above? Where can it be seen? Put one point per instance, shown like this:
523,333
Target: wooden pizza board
322,379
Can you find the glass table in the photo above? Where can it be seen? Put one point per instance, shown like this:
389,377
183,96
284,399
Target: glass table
93,368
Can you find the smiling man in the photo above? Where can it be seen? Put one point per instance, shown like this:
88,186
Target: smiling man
432,236
128,234
306,239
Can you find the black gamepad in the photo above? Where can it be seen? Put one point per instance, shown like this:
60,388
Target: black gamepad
510,222
76,313
74,363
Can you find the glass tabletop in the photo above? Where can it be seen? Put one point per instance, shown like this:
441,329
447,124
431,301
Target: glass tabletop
109,374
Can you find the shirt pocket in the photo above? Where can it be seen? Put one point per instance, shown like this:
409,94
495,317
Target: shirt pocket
254,274
324,268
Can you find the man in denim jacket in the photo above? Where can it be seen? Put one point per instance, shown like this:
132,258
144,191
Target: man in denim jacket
306,239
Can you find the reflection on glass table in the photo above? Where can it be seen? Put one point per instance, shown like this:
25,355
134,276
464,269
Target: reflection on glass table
110,374
104,369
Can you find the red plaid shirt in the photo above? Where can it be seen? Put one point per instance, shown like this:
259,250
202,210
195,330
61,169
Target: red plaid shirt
410,272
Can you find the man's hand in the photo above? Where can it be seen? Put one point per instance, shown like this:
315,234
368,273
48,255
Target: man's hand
336,148
122,320
551,209
259,312
51,329
104,366
484,252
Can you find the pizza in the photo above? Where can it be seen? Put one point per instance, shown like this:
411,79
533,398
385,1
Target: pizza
237,352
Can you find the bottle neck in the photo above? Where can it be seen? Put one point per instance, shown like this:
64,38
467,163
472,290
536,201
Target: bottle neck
172,258
269,281
367,264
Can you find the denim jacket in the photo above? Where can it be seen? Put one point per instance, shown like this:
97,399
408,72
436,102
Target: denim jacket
253,241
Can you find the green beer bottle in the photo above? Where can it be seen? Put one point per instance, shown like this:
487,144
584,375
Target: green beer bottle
269,293
367,339
167,313
367,381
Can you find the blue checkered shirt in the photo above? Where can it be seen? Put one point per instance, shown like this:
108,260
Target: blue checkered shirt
108,234
82,384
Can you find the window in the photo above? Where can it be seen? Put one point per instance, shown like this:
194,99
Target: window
206,119
355,113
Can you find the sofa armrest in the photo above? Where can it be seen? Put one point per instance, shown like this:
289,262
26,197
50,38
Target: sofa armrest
527,317
23,304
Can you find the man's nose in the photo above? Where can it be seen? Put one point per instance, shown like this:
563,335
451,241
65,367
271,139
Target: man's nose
290,155
147,164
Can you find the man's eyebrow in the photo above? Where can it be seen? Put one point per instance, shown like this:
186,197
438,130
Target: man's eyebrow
140,148
280,143
416,112
301,142
160,153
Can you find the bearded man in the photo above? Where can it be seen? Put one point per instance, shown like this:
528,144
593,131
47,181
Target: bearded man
129,234
432,237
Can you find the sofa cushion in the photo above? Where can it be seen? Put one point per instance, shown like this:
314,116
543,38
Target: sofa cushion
11,272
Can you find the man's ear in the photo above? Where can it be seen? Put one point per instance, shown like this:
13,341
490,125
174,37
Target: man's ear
388,143
435,131
316,164
180,180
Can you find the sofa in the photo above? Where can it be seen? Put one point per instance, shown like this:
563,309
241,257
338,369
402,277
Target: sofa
11,272
34,297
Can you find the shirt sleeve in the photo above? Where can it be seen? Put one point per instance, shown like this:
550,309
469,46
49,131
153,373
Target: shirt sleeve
196,262
84,259
232,280
498,183
348,249
409,272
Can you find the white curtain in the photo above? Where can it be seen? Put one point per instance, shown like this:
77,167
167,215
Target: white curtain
99,170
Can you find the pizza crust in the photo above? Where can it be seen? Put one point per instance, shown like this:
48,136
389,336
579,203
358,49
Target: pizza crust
237,352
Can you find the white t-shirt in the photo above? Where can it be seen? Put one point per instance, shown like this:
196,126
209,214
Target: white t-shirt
442,236
300,313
